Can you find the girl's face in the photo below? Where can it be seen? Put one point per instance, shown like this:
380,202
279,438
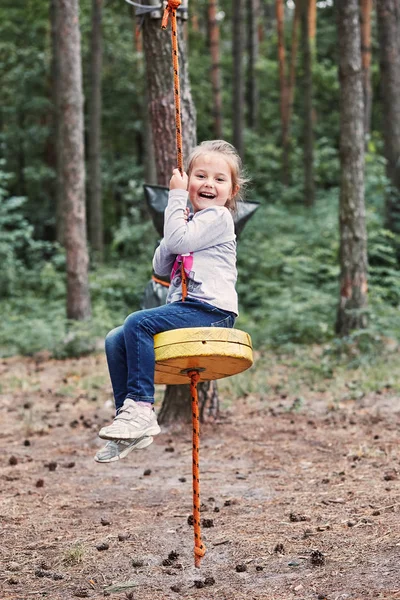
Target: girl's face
210,181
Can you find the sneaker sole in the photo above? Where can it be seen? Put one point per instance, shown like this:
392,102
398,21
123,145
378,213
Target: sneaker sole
146,441
104,435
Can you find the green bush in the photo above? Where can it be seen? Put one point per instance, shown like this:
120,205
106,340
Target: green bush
21,256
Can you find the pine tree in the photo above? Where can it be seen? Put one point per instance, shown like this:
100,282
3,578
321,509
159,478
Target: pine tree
70,129
353,236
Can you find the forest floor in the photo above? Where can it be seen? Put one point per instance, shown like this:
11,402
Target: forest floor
299,485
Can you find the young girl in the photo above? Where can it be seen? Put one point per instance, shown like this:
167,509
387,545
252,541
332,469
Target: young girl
206,244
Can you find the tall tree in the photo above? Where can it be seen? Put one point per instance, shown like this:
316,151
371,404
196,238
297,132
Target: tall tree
366,12
238,78
312,22
149,162
55,98
157,49
280,28
307,20
353,237
291,84
95,204
72,158
388,13
253,10
213,29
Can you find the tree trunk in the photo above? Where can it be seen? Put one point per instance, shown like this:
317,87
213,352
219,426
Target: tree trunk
95,204
213,28
177,406
149,161
388,12
308,131
280,22
56,97
253,7
157,50
353,237
291,85
72,159
238,88
150,171
312,22
49,120
366,11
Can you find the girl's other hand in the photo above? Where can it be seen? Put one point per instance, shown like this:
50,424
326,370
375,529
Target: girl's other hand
178,181
186,214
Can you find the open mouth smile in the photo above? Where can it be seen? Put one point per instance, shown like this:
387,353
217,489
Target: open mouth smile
207,195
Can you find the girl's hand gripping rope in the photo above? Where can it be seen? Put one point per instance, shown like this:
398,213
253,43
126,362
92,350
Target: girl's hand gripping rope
178,181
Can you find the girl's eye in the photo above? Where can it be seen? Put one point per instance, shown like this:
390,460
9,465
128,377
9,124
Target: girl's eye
220,179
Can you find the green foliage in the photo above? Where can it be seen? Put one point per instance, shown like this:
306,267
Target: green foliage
288,265
20,254
289,274
34,318
288,255
25,104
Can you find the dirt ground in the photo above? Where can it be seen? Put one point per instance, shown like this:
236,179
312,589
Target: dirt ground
300,501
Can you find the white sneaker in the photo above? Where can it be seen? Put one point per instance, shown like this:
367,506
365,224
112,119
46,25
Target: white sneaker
133,421
119,449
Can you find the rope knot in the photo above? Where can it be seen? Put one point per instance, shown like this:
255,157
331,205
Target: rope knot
194,376
171,6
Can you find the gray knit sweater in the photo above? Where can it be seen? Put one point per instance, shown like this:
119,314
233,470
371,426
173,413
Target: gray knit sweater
210,236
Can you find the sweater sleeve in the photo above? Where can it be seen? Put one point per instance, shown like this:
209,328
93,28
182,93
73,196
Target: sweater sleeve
163,260
209,227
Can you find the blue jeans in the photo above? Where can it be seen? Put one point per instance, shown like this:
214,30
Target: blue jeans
130,347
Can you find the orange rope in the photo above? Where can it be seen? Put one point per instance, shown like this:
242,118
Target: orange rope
184,282
160,281
199,548
171,10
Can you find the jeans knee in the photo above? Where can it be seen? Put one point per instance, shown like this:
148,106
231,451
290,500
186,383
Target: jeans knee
131,321
113,337
135,322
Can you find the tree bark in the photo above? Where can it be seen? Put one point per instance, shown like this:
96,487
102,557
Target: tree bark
291,86
312,22
157,50
213,28
149,161
280,23
56,96
150,171
353,237
238,88
366,11
95,204
177,406
388,13
308,130
72,159
50,120
253,10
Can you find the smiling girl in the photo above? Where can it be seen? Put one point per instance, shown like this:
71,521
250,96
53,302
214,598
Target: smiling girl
205,243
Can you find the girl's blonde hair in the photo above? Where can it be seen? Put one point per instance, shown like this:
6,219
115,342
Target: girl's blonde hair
232,157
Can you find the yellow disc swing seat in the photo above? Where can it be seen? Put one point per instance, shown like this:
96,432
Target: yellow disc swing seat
214,352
